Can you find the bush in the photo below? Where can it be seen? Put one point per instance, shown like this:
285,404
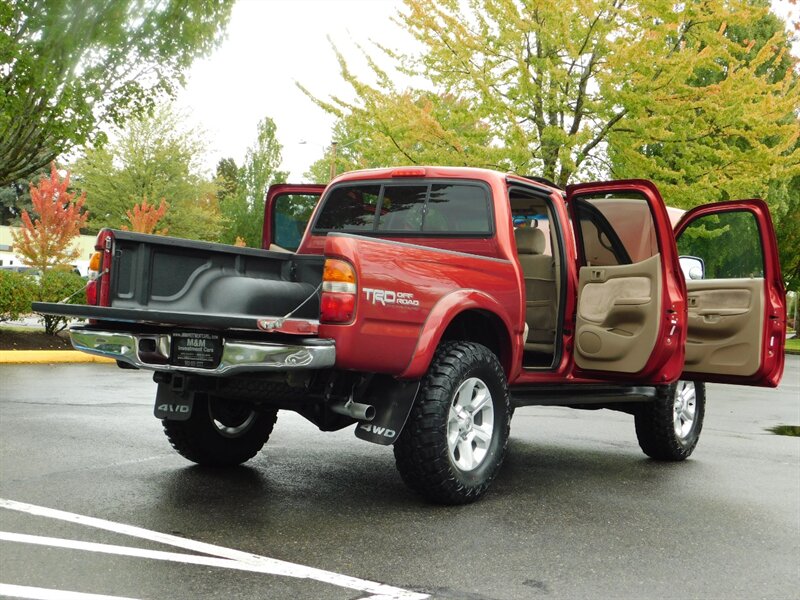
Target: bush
17,291
60,286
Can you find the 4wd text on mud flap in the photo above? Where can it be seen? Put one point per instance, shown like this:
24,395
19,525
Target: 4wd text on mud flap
389,433
174,408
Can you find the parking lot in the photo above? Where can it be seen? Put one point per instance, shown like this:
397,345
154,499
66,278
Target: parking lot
95,502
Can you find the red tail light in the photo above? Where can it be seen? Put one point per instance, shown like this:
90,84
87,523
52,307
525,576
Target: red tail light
338,301
98,289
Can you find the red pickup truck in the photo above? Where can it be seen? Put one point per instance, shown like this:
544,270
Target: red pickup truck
423,305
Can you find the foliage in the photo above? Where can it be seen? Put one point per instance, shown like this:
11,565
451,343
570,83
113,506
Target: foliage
227,178
45,242
784,197
144,217
553,84
719,121
59,285
17,291
153,157
16,197
69,66
405,128
243,210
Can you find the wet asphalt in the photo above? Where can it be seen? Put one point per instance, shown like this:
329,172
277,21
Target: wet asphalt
577,511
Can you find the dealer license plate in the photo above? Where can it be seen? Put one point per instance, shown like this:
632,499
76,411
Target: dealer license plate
196,349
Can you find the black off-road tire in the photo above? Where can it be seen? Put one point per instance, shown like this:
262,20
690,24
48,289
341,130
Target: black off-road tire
220,433
669,428
427,460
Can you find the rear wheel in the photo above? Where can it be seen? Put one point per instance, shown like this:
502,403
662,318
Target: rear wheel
220,433
669,428
456,436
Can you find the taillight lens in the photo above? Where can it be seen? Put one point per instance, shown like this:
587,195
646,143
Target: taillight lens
338,301
91,292
98,289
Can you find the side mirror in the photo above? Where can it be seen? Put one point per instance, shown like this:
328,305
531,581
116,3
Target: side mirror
693,267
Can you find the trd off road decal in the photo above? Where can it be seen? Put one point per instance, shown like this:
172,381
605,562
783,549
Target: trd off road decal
389,297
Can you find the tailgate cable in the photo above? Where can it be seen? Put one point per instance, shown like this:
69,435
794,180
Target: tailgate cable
281,320
73,294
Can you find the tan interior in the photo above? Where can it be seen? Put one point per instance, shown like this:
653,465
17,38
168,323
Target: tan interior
618,315
540,289
726,318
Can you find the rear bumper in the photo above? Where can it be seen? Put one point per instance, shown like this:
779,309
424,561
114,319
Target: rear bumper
153,350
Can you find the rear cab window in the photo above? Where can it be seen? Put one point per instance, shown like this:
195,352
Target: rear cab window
407,209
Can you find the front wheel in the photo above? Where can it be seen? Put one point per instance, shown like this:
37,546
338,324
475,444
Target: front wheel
220,433
669,428
456,436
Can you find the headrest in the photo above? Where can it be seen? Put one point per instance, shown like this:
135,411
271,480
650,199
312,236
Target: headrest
529,240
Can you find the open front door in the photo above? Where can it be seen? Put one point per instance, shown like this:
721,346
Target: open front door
736,298
286,213
631,298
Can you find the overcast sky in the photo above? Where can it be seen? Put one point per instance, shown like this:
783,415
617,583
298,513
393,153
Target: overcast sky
270,44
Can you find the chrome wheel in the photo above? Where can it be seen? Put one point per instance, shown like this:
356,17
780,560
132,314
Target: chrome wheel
470,424
684,409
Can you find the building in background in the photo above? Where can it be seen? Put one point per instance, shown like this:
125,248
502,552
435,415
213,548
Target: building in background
84,243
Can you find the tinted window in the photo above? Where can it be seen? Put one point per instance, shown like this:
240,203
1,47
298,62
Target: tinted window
409,208
403,208
728,243
350,208
458,208
290,216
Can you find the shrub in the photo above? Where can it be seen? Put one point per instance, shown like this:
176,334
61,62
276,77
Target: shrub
57,286
17,291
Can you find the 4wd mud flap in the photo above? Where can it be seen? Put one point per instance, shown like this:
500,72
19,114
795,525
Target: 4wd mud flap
173,406
392,400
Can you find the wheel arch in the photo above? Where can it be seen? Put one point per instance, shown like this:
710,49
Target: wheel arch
469,316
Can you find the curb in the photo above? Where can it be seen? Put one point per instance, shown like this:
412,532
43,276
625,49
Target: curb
41,357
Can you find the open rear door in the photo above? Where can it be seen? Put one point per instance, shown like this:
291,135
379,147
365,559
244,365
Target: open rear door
631,297
736,297
286,213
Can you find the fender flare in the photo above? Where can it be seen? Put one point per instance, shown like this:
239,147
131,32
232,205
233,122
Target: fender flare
442,314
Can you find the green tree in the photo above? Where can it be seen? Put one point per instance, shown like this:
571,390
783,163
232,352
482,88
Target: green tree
243,211
69,66
404,128
153,157
16,197
719,122
227,178
552,82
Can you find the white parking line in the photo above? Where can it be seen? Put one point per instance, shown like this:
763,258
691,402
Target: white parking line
235,559
34,593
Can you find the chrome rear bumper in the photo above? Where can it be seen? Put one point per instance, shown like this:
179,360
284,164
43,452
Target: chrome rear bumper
153,350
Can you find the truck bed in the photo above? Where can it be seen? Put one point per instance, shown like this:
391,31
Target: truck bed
169,281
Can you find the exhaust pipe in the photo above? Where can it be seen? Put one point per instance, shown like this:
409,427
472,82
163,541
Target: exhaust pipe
356,410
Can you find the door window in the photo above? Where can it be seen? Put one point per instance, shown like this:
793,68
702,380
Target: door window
616,230
728,244
291,215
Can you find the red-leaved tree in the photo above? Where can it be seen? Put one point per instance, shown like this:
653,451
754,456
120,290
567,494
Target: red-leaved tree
144,217
44,241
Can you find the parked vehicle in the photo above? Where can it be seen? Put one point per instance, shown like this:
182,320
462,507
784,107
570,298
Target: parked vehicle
423,305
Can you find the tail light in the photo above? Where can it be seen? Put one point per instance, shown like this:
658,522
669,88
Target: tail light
338,301
98,288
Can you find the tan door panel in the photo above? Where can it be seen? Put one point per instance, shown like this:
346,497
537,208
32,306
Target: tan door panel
725,323
618,315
